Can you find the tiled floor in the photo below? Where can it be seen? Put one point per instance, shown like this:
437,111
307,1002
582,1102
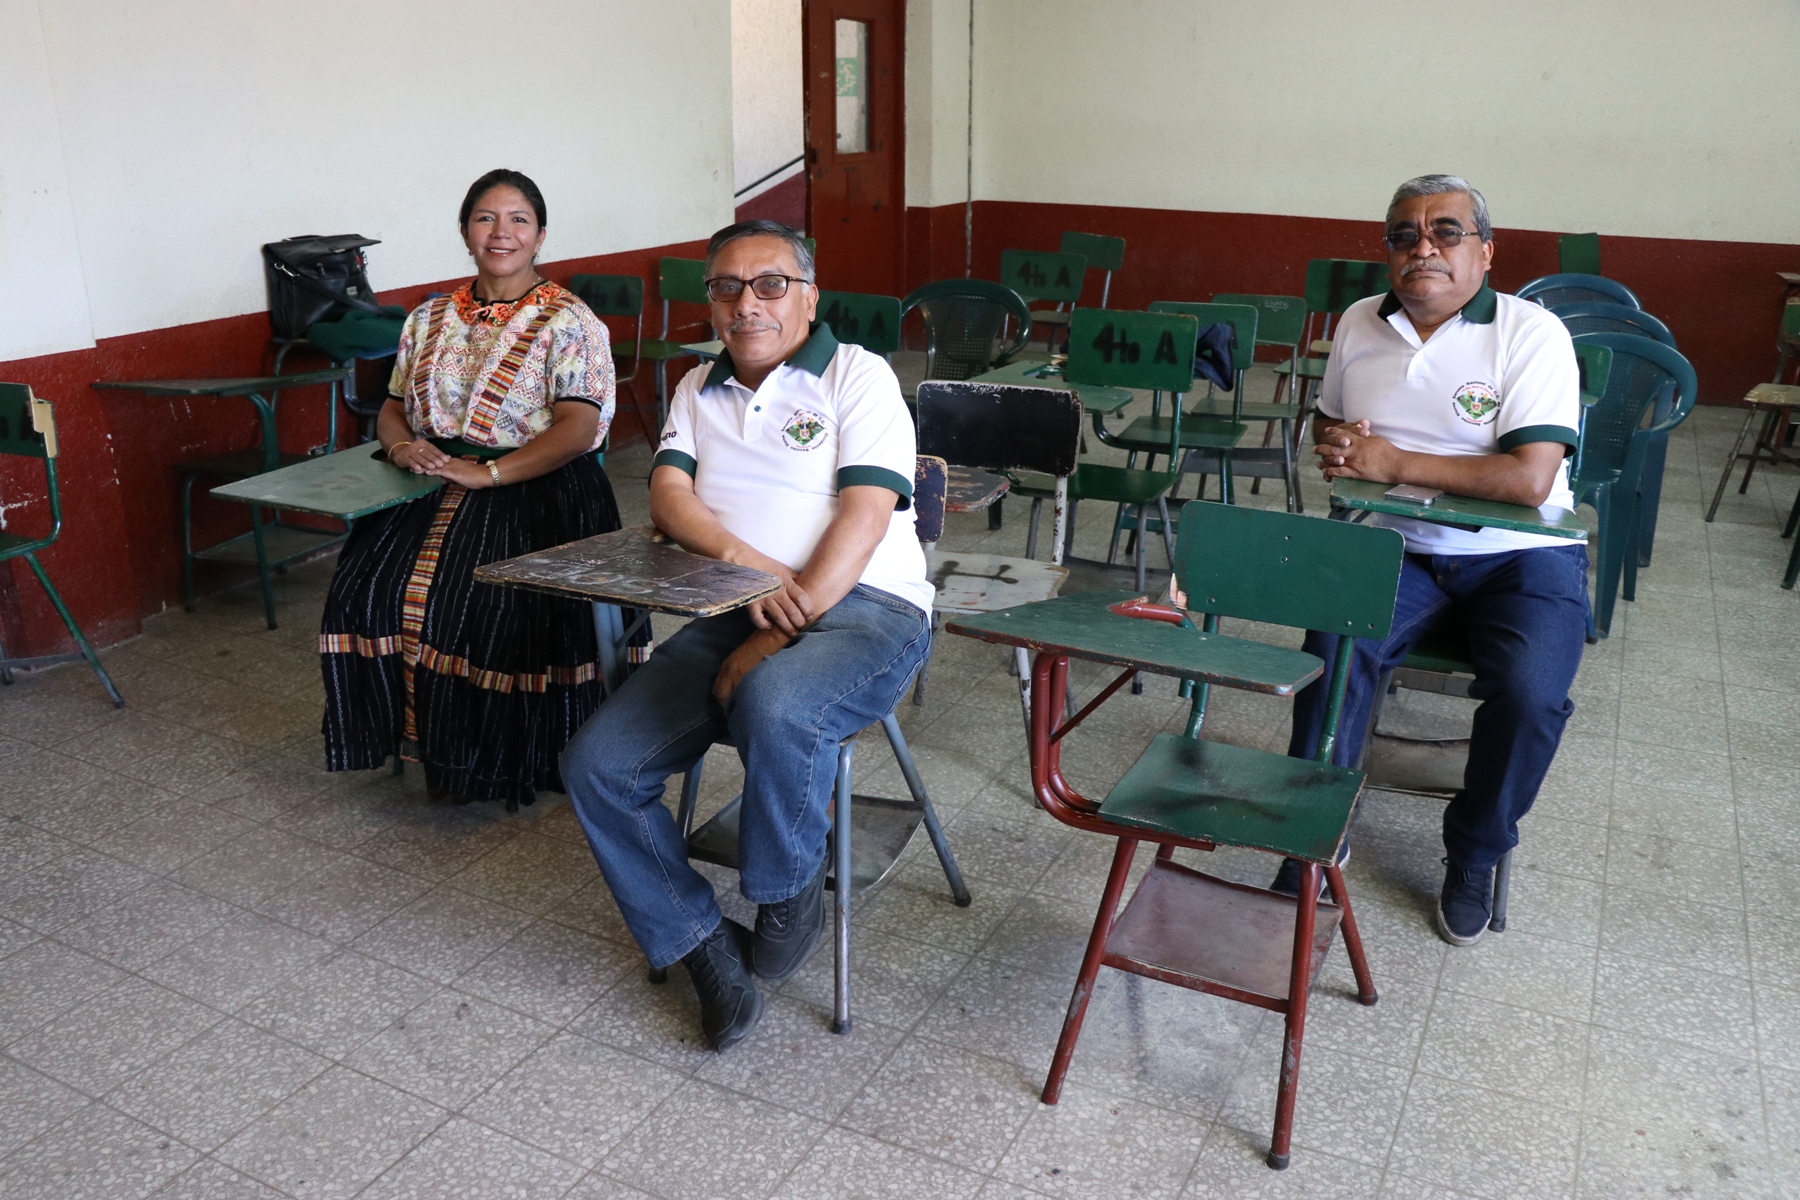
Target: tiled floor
225,973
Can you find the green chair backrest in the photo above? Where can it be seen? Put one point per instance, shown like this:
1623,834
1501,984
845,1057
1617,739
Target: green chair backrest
1790,322
1595,365
1101,252
27,424
1334,284
862,319
963,320
1285,569
1118,348
1241,318
682,280
1578,254
610,295
1040,275
1645,377
1281,320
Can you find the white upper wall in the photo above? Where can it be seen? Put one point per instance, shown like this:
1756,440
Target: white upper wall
937,102
768,115
1655,118
192,133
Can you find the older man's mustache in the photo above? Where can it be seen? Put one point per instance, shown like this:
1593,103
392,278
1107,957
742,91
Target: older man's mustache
1428,264
750,325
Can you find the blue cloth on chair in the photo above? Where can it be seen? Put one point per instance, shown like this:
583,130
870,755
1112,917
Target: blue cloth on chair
1214,349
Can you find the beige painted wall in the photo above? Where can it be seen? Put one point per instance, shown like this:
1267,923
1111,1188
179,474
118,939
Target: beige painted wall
768,116
937,102
174,139
1659,118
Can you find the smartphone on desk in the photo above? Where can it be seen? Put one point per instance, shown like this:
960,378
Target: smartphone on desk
1414,493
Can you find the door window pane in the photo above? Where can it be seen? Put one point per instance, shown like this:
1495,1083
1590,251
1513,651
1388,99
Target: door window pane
852,86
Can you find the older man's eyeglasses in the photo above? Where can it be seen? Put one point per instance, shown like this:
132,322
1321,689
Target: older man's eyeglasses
726,288
1444,237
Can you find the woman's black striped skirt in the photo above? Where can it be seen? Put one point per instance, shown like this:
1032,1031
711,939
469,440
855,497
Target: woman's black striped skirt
482,685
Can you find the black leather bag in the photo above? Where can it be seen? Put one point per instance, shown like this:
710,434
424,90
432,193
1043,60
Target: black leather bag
313,278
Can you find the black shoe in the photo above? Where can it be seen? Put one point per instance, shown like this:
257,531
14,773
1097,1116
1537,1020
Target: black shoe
1287,877
730,1005
788,930
1465,904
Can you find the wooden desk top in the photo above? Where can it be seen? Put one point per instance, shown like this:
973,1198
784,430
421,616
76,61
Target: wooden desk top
1080,626
1031,373
239,386
630,567
351,483
1463,512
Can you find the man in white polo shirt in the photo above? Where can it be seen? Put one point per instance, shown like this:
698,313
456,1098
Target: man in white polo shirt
1444,384
794,455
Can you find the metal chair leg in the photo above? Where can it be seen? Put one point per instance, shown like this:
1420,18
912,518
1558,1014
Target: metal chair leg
1031,528
840,846
187,543
959,890
262,565
1730,463
68,619
1299,984
1502,886
1090,967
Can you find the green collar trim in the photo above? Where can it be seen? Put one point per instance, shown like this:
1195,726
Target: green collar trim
813,356
1479,310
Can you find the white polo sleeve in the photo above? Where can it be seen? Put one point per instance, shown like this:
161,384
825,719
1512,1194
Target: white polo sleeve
676,447
876,444
1541,389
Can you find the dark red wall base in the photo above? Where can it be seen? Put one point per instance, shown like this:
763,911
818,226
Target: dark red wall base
785,202
1721,299
119,556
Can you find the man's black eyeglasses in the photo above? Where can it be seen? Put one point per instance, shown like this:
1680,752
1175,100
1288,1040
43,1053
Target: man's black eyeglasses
1444,237
726,288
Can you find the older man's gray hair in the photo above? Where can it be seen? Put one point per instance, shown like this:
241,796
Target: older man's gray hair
803,256
1444,185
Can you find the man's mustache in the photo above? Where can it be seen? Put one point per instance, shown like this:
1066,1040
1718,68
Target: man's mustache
750,324
1429,264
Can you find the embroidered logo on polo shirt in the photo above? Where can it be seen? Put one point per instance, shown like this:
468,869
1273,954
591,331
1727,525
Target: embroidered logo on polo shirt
1477,403
805,432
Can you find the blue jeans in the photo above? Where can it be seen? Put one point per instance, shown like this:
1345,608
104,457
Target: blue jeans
786,718
1524,613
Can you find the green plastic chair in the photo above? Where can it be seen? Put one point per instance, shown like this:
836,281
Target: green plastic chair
678,281
1332,285
862,319
1102,253
1646,377
1050,278
1152,352
1280,322
1552,291
28,430
1578,254
620,296
1183,926
964,319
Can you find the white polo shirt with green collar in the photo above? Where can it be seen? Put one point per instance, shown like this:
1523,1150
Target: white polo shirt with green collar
769,462
1498,375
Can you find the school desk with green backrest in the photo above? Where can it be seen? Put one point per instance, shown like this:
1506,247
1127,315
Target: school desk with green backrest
28,430
1043,276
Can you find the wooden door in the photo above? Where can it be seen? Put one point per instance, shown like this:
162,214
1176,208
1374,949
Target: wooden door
855,142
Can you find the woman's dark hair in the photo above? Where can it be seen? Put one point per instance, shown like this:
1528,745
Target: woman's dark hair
503,177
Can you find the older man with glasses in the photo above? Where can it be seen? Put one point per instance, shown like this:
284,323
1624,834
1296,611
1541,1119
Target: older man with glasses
791,454
1443,384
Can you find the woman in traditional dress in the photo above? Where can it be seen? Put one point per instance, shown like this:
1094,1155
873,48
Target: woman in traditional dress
503,389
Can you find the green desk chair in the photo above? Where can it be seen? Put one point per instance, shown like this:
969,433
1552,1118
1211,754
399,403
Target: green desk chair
1332,285
620,296
1102,253
1281,323
1650,379
28,430
1578,254
964,320
1052,278
1208,435
862,319
1183,926
1152,352
678,281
